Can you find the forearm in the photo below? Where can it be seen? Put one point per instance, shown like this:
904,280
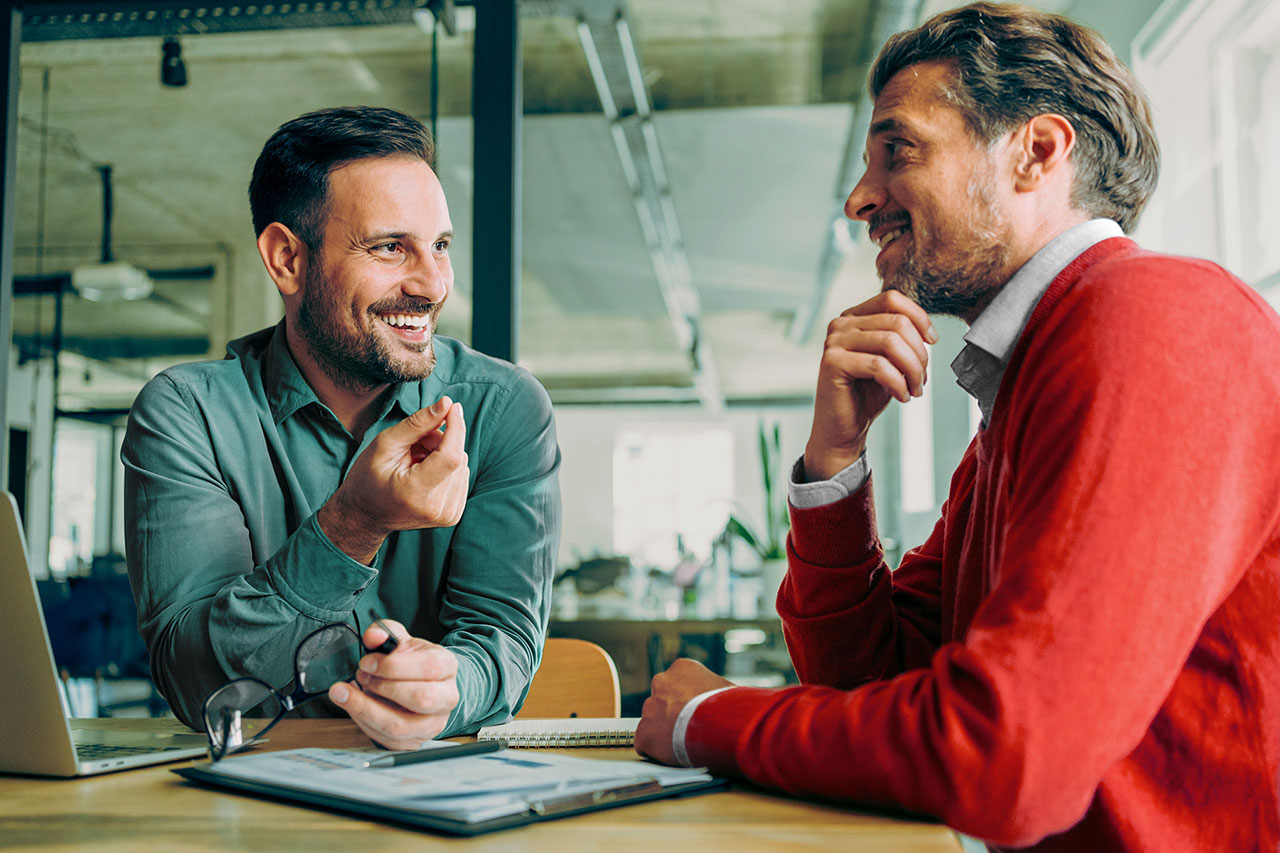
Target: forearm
498,598
245,623
839,593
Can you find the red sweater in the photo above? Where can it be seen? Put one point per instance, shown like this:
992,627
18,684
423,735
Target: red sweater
1085,654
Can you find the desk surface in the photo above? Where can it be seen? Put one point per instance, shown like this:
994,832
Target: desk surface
152,809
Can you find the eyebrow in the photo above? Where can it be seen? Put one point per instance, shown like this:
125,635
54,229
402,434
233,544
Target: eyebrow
884,125
380,236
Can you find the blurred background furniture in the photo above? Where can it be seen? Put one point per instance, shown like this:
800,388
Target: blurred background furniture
576,678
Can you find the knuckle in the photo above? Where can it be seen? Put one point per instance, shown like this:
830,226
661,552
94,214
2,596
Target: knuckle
398,728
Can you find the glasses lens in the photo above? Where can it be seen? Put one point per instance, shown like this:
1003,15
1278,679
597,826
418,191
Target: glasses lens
328,656
238,711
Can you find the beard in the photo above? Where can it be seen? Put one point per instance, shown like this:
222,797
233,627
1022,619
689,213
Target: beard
959,280
362,360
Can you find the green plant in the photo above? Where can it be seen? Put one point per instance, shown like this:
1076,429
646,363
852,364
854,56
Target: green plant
771,541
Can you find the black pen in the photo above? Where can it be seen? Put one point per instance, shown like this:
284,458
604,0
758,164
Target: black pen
390,643
435,753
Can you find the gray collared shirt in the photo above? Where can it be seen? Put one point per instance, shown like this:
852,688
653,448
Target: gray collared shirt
988,345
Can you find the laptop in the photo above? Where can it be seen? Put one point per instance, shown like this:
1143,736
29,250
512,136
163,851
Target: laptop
35,735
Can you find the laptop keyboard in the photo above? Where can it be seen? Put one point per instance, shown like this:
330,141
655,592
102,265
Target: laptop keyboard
99,751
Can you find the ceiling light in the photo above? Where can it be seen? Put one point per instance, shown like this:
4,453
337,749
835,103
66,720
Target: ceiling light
173,71
115,281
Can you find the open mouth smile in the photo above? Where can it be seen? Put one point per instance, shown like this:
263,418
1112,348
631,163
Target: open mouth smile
408,322
884,238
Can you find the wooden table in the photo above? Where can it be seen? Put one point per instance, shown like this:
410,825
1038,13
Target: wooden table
152,809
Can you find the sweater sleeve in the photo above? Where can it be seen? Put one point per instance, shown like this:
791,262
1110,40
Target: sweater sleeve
1133,501
838,585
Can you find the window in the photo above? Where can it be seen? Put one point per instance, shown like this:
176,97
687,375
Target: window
1212,70
672,486
75,467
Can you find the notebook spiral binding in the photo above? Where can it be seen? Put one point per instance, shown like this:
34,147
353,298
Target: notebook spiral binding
554,739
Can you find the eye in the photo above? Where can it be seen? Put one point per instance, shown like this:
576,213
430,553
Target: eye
390,248
894,150
440,245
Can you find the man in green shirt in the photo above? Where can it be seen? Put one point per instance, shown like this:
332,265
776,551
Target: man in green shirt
348,460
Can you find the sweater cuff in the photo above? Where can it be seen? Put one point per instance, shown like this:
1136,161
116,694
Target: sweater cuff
838,534
682,725
711,737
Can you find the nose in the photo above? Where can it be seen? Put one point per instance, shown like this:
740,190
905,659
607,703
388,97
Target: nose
867,197
431,278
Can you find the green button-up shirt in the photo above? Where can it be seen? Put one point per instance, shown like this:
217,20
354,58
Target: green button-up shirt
226,464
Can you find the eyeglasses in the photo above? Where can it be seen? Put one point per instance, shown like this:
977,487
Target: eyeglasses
241,712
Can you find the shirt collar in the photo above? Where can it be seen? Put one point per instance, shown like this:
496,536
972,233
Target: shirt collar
288,390
993,334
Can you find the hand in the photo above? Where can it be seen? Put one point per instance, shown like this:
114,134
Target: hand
874,352
406,695
671,691
412,475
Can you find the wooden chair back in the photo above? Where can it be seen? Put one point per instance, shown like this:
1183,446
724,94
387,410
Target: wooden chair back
576,679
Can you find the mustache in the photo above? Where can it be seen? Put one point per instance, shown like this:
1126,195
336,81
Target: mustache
406,305
882,219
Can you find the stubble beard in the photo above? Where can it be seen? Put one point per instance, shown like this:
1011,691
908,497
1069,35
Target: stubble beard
957,285
365,360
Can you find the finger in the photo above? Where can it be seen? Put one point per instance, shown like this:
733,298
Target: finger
378,632
895,325
389,725
415,660
851,366
905,361
455,430
418,425
895,302
447,461
424,698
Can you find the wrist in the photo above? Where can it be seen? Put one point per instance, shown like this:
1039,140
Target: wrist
349,531
825,463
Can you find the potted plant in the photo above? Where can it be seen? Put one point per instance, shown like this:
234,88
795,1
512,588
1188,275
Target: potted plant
770,541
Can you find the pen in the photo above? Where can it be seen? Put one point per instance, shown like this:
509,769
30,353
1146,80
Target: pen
390,643
457,750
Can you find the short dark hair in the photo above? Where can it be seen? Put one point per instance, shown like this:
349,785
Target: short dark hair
290,181
1012,63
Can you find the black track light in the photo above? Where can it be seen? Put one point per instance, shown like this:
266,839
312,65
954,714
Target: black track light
173,71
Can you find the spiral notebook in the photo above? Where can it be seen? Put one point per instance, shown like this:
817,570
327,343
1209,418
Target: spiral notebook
571,731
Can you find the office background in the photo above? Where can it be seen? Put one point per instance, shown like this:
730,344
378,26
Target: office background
679,168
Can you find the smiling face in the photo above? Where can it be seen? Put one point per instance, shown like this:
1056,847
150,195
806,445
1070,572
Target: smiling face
373,289
933,198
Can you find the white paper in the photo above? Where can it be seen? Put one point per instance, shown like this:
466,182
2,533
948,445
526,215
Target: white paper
472,788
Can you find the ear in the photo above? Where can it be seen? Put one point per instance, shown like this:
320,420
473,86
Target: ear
1044,147
285,256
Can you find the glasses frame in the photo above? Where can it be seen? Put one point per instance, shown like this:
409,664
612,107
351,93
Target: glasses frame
298,697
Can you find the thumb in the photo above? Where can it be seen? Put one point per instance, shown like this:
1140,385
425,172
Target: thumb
422,422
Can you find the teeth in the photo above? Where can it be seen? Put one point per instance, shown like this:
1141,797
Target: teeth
408,321
889,236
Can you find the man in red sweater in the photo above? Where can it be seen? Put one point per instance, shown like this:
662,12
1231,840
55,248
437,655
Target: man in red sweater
1085,654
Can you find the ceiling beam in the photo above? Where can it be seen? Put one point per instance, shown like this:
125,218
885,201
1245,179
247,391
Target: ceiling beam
56,21
613,58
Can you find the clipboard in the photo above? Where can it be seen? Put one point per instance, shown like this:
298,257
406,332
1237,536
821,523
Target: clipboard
537,804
